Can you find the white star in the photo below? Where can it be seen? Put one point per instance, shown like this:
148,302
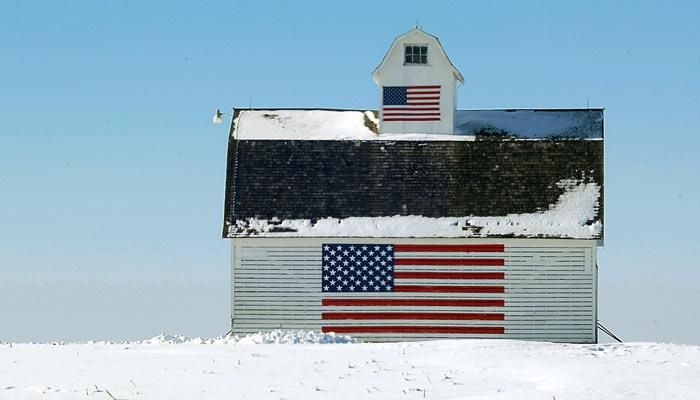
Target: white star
364,287
332,262
352,288
326,247
326,288
339,248
364,248
332,252
376,247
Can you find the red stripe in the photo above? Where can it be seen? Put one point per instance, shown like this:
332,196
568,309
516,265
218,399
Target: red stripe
411,108
484,248
397,114
411,119
414,329
448,289
414,315
415,302
420,92
449,261
449,275
422,103
423,87
417,97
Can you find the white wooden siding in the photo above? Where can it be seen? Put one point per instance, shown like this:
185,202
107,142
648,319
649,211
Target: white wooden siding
550,288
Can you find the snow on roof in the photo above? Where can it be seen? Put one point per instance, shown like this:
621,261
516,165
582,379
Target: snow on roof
287,124
531,124
318,125
573,216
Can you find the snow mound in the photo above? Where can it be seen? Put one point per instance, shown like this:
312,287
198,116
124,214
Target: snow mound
294,337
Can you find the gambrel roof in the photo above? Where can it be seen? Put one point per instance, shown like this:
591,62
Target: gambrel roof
423,36
326,173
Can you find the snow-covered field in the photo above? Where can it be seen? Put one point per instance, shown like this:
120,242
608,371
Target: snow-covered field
317,366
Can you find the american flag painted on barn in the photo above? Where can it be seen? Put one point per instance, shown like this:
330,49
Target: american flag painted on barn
411,103
543,289
403,274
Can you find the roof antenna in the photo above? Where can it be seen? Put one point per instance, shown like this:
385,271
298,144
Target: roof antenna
588,103
417,27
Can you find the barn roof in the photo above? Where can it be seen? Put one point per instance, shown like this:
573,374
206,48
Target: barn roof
315,124
326,173
419,33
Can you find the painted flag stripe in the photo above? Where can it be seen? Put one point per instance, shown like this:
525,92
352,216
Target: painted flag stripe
449,261
411,119
447,316
424,87
397,114
415,329
448,275
412,108
448,289
375,302
443,248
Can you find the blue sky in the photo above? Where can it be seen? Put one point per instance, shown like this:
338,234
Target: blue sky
112,175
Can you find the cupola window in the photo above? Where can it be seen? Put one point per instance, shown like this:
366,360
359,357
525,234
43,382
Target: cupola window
416,54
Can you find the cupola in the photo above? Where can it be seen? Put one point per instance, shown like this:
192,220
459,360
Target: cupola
417,86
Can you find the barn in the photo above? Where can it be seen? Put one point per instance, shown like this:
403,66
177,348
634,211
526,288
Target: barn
417,220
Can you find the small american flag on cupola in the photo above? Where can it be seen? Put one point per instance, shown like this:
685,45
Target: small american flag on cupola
411,103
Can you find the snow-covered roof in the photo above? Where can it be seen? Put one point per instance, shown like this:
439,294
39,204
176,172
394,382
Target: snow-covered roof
302,124
409,188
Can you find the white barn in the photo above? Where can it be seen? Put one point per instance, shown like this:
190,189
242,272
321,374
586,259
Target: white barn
417,220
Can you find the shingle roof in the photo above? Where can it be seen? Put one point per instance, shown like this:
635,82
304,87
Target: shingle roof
272,182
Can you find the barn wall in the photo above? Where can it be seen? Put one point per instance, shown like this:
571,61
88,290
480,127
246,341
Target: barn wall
549,289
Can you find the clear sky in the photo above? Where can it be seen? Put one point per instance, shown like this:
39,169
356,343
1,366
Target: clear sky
112,174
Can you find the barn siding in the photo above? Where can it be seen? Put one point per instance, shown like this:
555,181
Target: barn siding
550,288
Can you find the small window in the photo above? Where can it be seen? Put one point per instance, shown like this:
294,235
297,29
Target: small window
416,54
